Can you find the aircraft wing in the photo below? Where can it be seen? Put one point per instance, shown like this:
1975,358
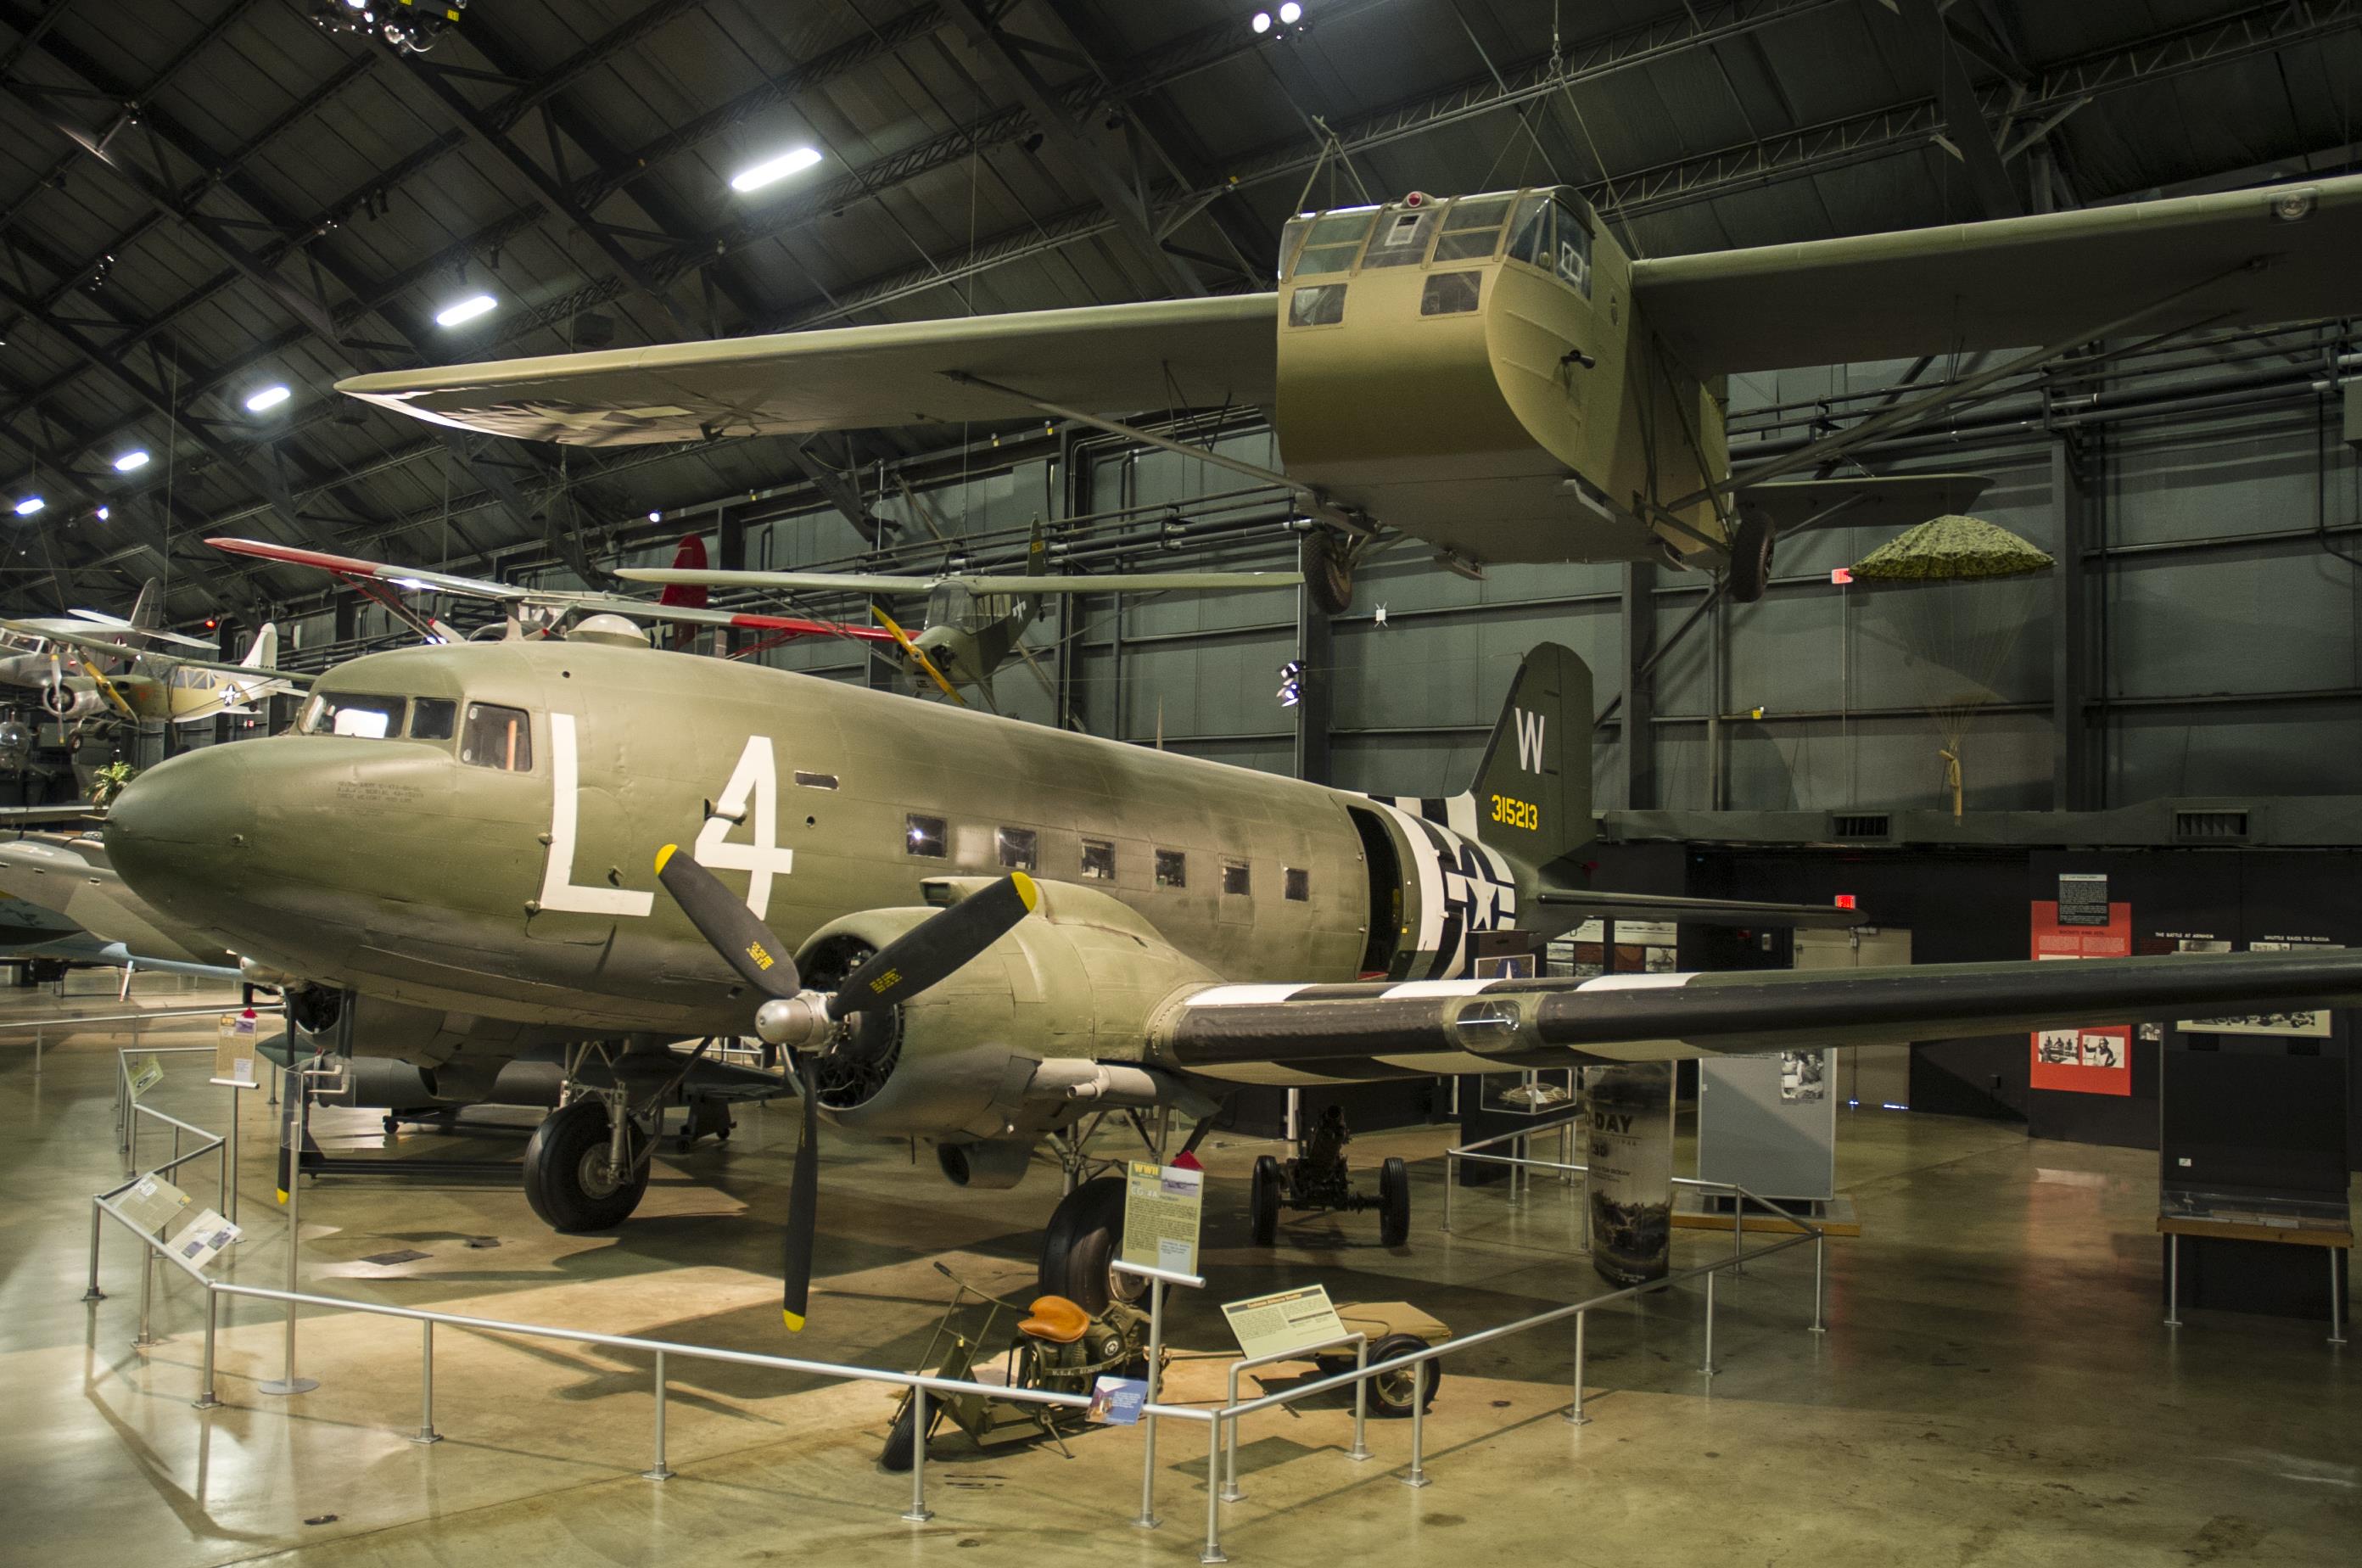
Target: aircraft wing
101,646
978,582
417,579
2240,258
691,616
1700,911
50,816
117,624
1116,359
1888,502
1229,1031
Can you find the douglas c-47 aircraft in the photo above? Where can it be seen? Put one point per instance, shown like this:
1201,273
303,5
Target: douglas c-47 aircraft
958,927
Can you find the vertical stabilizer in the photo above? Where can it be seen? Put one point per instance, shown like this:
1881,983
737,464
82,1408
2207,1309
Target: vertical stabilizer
1533,786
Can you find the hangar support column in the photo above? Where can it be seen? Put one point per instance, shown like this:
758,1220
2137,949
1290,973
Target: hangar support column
1639,710
2074,626
1315,708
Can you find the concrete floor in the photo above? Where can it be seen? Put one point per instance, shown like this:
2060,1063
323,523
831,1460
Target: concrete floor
1996,1388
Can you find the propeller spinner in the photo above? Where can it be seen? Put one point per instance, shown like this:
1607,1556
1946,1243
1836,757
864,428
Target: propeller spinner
811,1022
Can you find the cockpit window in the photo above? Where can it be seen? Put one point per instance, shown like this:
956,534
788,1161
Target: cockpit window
497,737
432,718
353,713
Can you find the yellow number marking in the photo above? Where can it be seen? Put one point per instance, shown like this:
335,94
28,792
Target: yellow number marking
1516,814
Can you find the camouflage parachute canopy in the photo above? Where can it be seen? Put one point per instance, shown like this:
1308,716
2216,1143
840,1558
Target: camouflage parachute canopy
1951,550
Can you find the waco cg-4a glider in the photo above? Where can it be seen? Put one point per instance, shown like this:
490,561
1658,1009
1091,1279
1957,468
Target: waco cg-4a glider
1493,374
956,927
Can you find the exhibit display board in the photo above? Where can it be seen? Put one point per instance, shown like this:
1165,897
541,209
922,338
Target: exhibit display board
2081,923
1629,1116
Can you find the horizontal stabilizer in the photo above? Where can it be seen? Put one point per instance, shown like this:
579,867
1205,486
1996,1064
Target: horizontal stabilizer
1609,905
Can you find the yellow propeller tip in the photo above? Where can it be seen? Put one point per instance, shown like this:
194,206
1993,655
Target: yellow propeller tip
282,1194
1027,890
664,855
795,1320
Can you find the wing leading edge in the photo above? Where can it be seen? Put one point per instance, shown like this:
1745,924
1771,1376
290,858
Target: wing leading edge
1232,1032
1121,359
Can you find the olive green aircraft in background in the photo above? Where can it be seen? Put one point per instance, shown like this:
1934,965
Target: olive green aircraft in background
1495,374
957,927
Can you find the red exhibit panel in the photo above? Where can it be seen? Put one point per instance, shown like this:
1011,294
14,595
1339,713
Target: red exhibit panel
2091,1060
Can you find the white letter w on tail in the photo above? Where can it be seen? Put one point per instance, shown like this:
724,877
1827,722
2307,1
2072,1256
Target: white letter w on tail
1529,740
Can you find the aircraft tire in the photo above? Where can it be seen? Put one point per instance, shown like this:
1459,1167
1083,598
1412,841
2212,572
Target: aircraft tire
900,1440
1327,575
1390,1396
1083,1236
1263,1200
1394,1202
1751,555
563,1171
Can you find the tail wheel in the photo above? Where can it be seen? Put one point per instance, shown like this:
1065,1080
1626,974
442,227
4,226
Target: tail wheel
1327,572
1082,1239
1394,1202
901,1438
1264,1200
569,1179
1391,1393
1750,555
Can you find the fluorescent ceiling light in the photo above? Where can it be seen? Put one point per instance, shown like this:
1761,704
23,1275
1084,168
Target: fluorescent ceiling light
467,310
30,505
779,168
1290,12
268,398
130,460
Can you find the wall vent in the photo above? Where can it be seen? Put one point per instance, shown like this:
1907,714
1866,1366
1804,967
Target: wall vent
1861,824
2210,827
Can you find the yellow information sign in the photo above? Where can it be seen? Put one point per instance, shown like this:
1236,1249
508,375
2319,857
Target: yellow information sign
1162,1206
1284,1322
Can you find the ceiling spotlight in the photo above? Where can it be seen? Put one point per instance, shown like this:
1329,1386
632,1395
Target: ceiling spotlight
268,398
467,310
104,513
656,516
1290,13
1262,22
30,505
131,460
773,168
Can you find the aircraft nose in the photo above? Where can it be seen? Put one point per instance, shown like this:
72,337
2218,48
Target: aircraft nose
178,829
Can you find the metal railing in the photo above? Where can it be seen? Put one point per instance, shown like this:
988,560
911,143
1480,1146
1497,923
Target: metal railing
1221,1476
43,1027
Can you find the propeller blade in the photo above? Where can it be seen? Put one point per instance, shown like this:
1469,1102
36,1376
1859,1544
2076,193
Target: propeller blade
935,947
722,918
804,1209
918,656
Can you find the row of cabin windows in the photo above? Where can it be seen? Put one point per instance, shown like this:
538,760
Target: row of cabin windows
1017,849
489,736
1544,234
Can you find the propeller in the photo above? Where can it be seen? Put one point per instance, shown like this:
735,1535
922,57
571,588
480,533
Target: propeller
813,1022
918,656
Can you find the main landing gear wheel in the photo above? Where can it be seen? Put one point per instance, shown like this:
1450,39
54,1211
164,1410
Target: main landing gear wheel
1391,1393
1394,1202
1751,555
1084,1237
1263,1200
568,1178
1327,571
901,1438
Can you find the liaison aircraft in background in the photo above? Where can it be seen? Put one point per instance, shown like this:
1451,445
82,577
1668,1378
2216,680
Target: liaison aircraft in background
1494,375
981,932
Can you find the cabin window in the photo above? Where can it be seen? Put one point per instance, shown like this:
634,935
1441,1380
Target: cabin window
1572,257
1471,229
497,737
352,714
1016,847
925,835
1297,884
1317,304
431,718
1333,242
1402,239
1450,293
815,780
1172,868
1234,878
1098,860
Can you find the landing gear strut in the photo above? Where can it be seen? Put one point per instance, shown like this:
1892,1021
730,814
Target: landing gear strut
1316,1179
580,1175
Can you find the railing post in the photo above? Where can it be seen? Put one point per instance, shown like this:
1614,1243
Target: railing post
1707,1366
1738,1231
1231,1493
37,1050
96,1217
2337,1279
1147,1520
147,1291
1820,1247
2173,1280
1213,1551
426,1432
660,1471
205,1400
229,1161
299,1102
918,1512
1450,1180
1575,1416
1360,1449
1418,1477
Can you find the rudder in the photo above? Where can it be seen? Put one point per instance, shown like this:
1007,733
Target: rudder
1533,784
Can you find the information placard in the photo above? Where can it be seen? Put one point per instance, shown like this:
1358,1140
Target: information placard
1284,1322
203,1238
2091,1059
146,1074
1116,1401
152,1203
1162,1206
233,1051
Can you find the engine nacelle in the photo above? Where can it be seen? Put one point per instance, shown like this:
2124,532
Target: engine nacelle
993,1164
961,1063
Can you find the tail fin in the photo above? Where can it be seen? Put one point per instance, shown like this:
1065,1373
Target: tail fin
147,609
1533,784
687,556
264,654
